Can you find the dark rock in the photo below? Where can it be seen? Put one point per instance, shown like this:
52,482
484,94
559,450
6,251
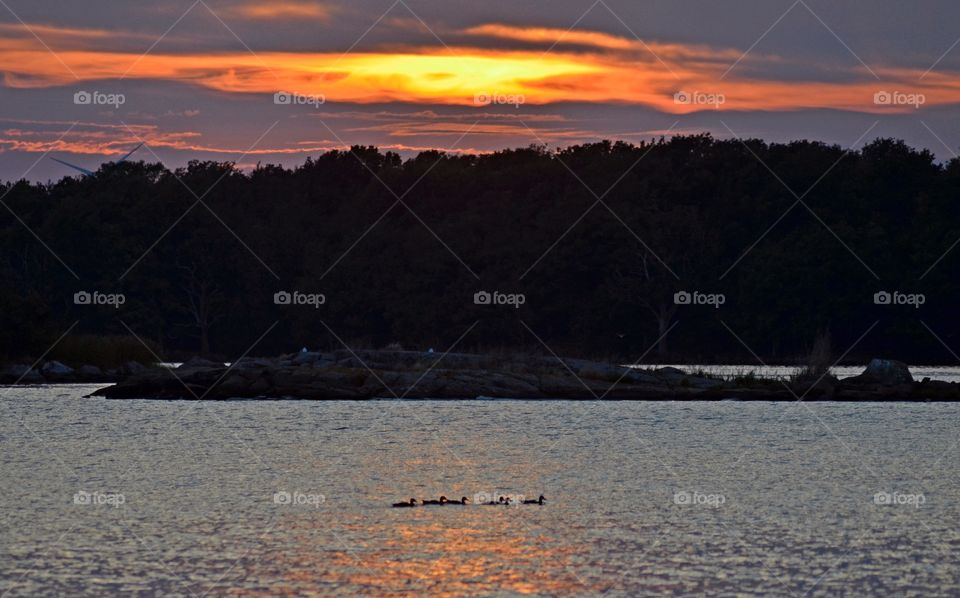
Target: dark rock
417,375
20,374
56,371
885,372
199,362
133,367
91,373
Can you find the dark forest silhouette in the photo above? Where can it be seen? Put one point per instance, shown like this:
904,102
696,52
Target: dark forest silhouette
691,206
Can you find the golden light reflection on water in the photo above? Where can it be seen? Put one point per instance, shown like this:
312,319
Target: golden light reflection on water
447,551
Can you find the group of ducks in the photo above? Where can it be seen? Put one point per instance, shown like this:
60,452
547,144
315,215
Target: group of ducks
503,501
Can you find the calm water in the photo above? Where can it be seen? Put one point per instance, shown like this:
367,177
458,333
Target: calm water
919,372
643,498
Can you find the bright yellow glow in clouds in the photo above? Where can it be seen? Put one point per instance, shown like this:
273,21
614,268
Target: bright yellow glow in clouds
615,70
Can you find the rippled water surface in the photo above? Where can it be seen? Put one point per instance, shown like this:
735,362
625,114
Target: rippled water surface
642,497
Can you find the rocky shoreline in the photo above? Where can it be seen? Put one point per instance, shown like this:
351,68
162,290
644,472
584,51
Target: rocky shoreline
55,372
347,375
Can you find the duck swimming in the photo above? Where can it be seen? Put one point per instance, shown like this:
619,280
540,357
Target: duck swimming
443,500
412,503
463,501
535,502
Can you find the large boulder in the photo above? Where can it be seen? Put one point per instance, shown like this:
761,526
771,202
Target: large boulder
54,370
90,373
885,372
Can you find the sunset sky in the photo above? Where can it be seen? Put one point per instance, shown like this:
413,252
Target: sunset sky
198,79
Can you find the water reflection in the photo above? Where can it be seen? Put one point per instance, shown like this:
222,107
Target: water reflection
447,551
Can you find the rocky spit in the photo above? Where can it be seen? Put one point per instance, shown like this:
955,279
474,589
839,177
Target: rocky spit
55,372
416,375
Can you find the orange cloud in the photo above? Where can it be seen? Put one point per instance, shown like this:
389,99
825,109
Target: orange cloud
279,10
620,70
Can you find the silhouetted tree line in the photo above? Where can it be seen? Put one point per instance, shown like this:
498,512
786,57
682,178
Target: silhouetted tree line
691,213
